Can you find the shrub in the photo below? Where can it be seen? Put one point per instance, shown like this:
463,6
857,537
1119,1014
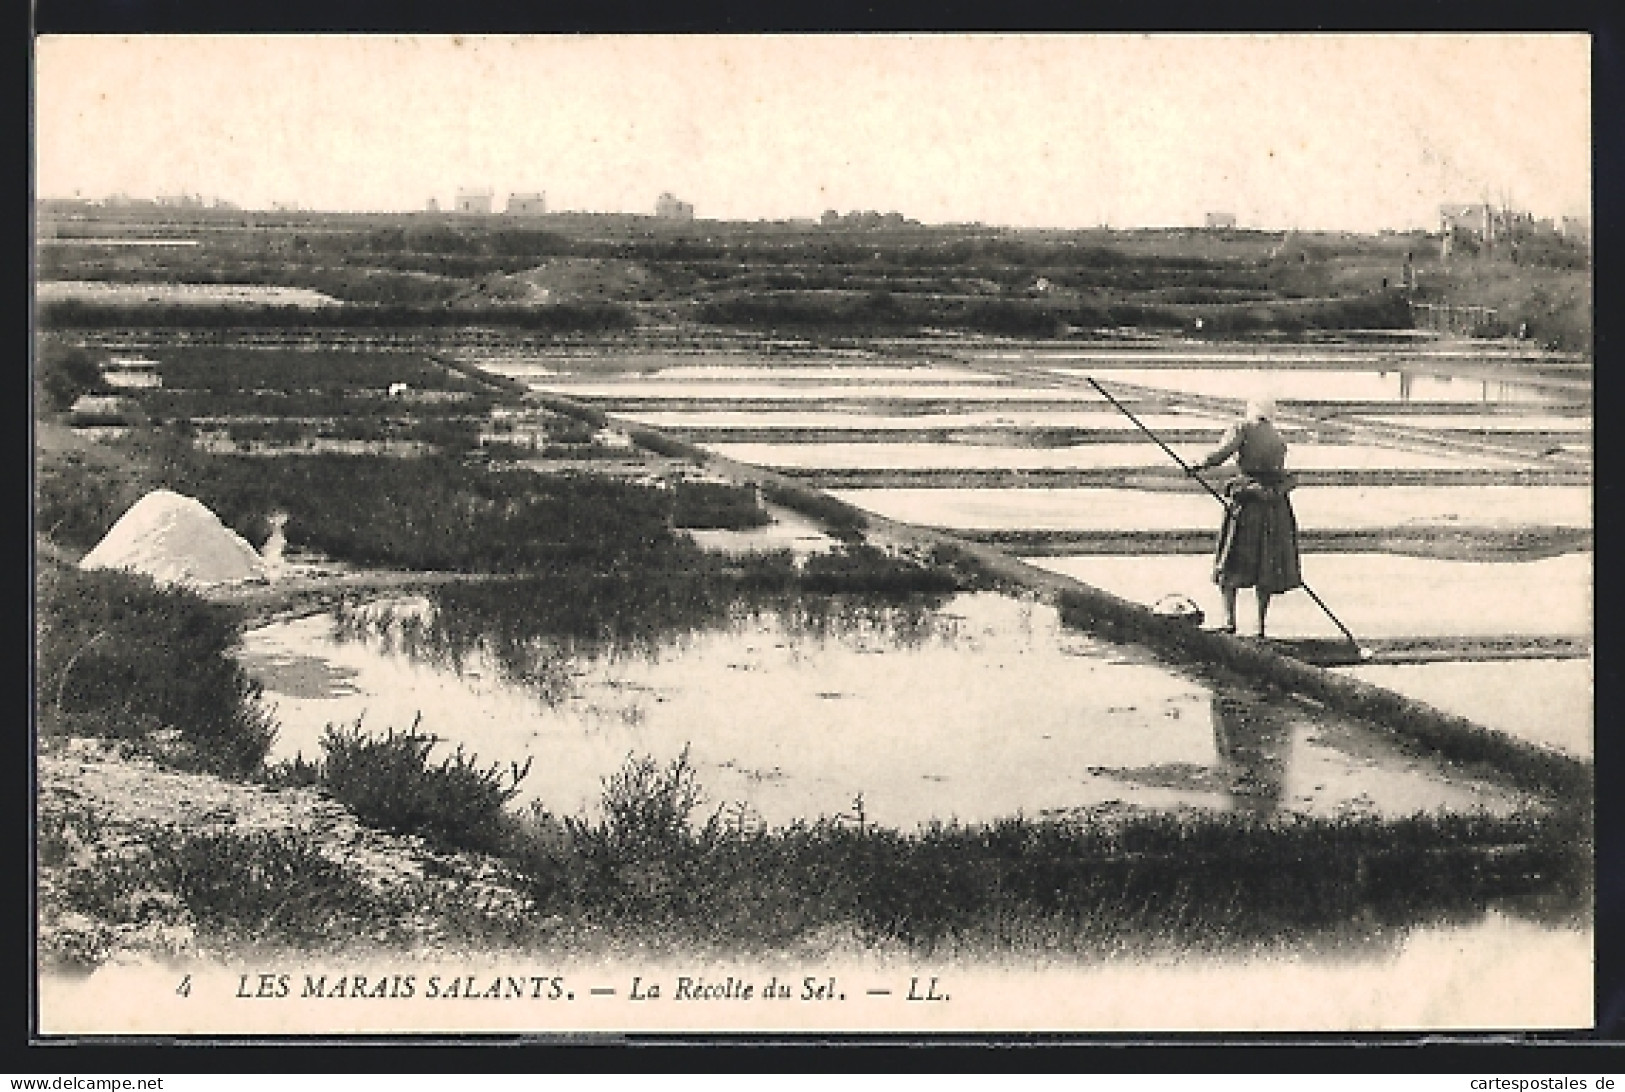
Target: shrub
647,809
118,656
390,783
640,861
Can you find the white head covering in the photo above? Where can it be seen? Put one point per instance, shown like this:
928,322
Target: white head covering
1261,408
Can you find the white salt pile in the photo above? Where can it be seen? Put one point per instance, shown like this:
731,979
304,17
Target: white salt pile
176,540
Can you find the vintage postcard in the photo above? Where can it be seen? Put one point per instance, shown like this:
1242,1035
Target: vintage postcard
929,533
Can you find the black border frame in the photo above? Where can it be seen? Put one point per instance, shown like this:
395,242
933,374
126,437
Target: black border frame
1598,1049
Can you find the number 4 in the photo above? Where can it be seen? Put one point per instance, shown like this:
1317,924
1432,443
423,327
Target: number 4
185,988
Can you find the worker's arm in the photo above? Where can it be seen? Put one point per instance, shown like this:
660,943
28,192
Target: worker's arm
1227,447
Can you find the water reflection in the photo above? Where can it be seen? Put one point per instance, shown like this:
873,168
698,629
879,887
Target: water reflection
543,634
1253,742
976,708
863,624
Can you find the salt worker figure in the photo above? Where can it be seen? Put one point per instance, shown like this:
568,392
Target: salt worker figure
1258,541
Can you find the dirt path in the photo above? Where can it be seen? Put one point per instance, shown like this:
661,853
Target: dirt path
99,806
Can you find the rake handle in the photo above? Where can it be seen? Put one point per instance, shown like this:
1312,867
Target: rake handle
1124,410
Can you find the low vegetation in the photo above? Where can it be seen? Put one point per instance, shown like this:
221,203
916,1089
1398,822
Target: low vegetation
390,783
228,369
837,517
432,513
717,506
886,312
248,888
121,658
608,275
656,863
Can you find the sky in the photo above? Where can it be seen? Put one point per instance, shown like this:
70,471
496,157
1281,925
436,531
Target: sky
1340,132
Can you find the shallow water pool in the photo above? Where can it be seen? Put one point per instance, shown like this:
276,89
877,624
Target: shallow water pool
1548,702
981,708
869,373
1090,456
1327,385
1486,422
1340,507
1375,594
1096,419
723,391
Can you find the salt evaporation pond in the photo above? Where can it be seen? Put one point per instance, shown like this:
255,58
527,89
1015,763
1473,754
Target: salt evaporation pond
856,419
1543,701
930,373
1327,385
981,708
1484,422
170,292
1090,456
1216,355
1337,507
724,391
1375,594
1138,357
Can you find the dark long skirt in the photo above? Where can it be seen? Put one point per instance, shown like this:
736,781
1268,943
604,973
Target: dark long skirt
1258,546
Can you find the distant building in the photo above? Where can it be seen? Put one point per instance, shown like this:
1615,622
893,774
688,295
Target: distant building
1220,221
866,219
668,207
1475,220
433,205
527,204
1486,225
477,201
